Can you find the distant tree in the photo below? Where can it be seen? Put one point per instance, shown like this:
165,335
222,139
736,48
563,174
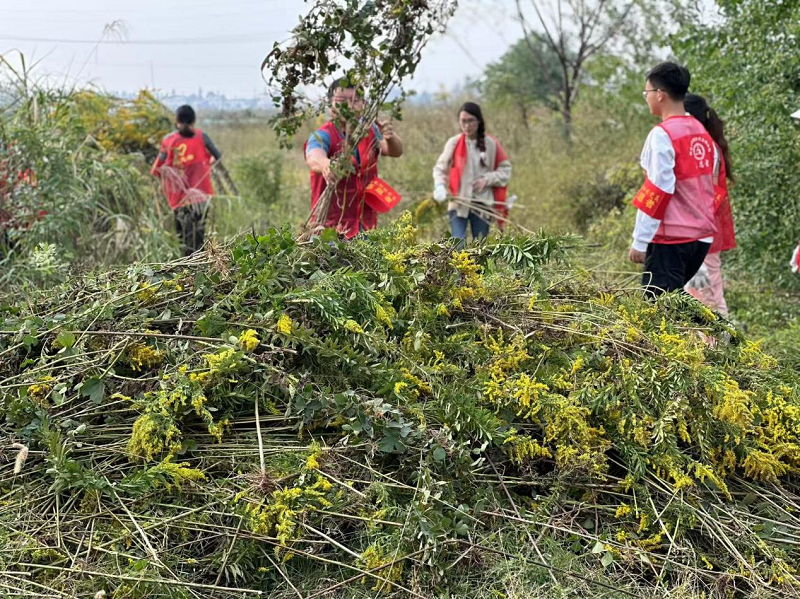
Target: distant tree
573,31
518,81
748,66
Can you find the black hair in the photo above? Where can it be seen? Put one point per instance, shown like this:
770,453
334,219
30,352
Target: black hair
340,83
475,110
699,109
185,115
185,118
671,78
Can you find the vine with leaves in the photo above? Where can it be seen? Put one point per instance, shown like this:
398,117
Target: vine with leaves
374,45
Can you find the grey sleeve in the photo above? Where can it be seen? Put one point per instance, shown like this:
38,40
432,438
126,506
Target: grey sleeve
212,149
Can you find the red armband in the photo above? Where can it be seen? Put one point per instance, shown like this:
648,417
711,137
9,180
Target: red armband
651,200
380,196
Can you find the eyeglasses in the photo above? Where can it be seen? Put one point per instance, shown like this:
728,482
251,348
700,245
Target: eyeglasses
647,91
346,100
468,121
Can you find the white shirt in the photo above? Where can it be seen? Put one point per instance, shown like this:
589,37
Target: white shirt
473,170
658,162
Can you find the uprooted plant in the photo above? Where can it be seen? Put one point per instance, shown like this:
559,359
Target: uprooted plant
373,45
295,418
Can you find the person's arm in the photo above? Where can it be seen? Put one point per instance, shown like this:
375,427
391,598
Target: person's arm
499,177
212,149
441,170
658,161
317,149
391,145
160,160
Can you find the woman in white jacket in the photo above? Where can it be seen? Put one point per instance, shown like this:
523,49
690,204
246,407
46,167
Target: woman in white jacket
475,170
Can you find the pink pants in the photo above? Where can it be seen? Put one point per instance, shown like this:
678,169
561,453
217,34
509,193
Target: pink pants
712,296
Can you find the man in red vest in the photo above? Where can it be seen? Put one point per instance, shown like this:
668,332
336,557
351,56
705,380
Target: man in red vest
348,213
675,224
184,167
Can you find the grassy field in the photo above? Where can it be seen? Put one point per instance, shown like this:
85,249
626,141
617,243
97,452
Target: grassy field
547,170
388,378
562,187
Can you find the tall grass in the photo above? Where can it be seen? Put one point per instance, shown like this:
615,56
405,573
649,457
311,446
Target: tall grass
70,187
547,170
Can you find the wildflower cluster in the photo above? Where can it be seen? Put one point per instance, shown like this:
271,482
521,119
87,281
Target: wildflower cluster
473,286
373,558
143,357
39,392
280,515
249,340
284,325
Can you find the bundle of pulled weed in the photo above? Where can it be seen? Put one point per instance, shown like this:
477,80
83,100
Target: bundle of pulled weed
383,417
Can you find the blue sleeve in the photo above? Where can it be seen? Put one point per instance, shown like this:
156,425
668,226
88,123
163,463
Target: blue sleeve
378,134
319,140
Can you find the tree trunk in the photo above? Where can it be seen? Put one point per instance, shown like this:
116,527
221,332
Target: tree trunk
524,114
566,115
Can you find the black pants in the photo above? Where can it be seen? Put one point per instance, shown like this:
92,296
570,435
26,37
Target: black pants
190,223
668,267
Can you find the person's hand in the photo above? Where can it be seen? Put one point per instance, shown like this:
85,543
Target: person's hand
327,173
440,193
795,263
387,129
701,280
479,185
636,256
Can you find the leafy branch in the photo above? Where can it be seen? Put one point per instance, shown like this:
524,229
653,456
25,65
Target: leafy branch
375,46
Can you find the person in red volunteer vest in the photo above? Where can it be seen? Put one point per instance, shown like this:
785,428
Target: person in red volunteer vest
708,285
15,178
184,166
348,213
475,170
675,224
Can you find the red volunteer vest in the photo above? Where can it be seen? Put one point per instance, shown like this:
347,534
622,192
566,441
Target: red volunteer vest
188,180
688,213
725,237
11,217
457,170
347,208
796,257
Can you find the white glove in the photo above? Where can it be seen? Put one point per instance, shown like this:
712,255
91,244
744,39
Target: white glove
440,193
795,263
701,279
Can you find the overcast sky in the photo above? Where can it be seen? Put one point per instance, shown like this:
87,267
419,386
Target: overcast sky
215,44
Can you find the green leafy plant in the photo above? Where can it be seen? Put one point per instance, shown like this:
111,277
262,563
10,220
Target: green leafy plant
382,408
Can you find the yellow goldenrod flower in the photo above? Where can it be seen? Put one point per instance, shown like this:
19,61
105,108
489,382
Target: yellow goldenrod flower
285,325
248,340
353,326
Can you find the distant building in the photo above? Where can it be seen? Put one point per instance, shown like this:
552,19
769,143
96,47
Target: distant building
208,101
